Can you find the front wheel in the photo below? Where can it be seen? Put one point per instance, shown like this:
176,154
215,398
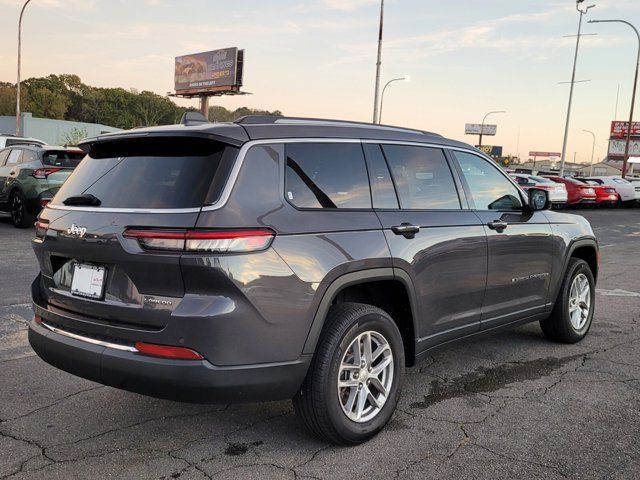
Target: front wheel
572,313
354,381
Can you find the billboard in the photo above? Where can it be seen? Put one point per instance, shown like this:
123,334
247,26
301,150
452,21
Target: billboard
616,148
491,150
209,71
620,129
476,128
545,154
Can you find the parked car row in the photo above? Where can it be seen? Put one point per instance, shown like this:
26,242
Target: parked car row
573,191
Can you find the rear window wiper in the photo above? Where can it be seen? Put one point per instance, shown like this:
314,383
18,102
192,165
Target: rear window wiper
84,199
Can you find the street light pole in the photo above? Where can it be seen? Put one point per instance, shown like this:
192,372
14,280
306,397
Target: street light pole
378,64
19,59
633,95
573,81
406,78
593,149
482,124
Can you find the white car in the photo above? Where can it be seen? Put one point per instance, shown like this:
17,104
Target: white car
625,189
7,140
557,191
635,181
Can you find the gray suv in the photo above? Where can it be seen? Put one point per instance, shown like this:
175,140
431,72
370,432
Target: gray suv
276,258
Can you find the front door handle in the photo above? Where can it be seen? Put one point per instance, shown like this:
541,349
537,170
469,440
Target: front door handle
407,230
497,225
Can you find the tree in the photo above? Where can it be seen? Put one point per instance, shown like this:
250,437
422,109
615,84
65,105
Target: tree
221,114
74,136
43,102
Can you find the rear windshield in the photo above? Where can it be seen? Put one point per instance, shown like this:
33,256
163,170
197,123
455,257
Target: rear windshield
171,172
62,158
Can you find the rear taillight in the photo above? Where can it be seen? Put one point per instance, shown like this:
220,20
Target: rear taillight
215,241
41,228
44,202
166,351
44,172
610,190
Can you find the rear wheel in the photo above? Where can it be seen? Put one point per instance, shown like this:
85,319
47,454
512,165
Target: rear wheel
572,314
354,381
20,217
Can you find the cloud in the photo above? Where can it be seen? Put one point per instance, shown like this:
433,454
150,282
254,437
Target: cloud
349,5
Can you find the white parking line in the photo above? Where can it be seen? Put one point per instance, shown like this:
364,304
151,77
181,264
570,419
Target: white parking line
617,293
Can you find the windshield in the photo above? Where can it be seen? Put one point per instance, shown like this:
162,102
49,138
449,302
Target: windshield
62,158
155,173
540,179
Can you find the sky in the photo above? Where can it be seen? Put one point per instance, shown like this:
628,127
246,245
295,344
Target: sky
316,58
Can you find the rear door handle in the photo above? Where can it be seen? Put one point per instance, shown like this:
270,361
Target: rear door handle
497,225
12,173
407,230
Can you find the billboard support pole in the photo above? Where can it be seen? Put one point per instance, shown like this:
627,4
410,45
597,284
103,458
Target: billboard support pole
204,105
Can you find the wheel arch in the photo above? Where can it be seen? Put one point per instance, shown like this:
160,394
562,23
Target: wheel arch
585,249
350,283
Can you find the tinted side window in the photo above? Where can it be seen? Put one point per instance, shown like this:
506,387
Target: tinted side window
489,189
384,193
422,178
14,157
29,156
326,175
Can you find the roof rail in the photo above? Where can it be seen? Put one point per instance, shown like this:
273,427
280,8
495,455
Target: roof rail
280,120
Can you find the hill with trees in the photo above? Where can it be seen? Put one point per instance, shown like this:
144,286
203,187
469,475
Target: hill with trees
65,97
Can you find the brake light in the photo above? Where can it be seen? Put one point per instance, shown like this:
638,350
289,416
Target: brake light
227,241
44,202
44,172
166,351
41,228
37,319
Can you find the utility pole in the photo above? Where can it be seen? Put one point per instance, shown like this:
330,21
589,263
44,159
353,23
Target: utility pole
633,94
378,64
573,82
593,149
18,132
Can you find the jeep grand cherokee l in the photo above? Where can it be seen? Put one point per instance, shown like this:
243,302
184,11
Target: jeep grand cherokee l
276,258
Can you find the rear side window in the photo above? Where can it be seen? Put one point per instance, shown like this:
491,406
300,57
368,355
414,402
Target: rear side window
14,157
326,175
62,158
384,193
422,178
29,156
153,173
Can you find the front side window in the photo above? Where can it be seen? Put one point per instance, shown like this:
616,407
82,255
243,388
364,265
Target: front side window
422,178
3,157
326,175
489,189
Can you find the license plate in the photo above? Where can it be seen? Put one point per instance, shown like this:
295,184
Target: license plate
88,281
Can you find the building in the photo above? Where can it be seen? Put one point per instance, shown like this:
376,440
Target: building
600,169
54,132
548,165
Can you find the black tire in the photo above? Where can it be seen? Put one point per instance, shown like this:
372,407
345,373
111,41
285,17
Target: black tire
317,404
558,326
20,216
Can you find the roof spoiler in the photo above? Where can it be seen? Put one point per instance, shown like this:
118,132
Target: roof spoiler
193,118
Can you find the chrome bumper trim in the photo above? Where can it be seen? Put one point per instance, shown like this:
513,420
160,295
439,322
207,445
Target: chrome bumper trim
93,341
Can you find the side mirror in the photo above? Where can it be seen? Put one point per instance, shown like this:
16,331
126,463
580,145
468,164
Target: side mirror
538,199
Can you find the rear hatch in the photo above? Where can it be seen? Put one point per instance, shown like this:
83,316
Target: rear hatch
89,267
59,164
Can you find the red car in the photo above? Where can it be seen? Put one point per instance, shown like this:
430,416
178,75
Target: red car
578,192
605,194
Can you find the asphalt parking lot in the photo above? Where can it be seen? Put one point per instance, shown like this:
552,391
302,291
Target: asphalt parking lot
509,406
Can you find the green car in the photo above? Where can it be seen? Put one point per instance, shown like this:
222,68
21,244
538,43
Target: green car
30,175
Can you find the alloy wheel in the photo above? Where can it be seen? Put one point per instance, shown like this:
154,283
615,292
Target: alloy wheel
16,209
365,376
579,301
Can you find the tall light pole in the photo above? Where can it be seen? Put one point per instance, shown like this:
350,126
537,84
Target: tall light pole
18,82
378,64
406,78
633,95
593,149
573,81
482,124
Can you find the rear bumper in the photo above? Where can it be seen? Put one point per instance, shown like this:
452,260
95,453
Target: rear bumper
196,381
